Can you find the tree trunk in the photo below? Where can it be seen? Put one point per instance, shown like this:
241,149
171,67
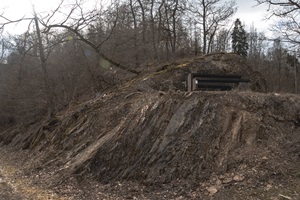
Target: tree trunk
296,76
153,34
136,52
211,38
43,60
160,25
174,31
204,27
144,27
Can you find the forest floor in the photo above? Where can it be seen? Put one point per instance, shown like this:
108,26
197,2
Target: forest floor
19,184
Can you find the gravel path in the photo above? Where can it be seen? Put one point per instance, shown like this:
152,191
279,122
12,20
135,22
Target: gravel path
7,192
14,185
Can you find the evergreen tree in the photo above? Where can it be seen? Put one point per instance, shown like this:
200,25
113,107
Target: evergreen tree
239,39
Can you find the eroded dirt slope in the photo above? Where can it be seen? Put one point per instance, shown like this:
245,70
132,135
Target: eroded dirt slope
160,137
205,142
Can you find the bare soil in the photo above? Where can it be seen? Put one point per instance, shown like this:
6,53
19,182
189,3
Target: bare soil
150,139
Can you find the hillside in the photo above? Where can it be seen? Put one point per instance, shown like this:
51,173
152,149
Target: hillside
150,139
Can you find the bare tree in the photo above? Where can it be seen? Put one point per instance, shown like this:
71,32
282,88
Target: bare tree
3,49
76,21
288,13
256,44
170,14
42,45
135,27
42,54
43,62
144,24
153,26
212,15
289,22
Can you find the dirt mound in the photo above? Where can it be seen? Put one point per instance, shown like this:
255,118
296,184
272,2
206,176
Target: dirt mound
141,134
163,138
173,76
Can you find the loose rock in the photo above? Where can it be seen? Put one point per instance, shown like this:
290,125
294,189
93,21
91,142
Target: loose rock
212,190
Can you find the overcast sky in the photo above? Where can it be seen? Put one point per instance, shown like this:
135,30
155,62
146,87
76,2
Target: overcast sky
247,12
250,14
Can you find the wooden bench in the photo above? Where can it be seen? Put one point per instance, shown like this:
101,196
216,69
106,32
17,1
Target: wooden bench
198,81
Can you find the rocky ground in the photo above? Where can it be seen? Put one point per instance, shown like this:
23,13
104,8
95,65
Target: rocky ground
150,139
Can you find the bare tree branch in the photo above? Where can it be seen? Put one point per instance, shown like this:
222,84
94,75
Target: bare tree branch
8,21
54,12
77,21
288,13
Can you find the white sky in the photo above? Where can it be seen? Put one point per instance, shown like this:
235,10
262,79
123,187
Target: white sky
14,9
19,8
250,14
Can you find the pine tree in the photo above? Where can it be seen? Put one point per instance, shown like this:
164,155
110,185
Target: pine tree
239,39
